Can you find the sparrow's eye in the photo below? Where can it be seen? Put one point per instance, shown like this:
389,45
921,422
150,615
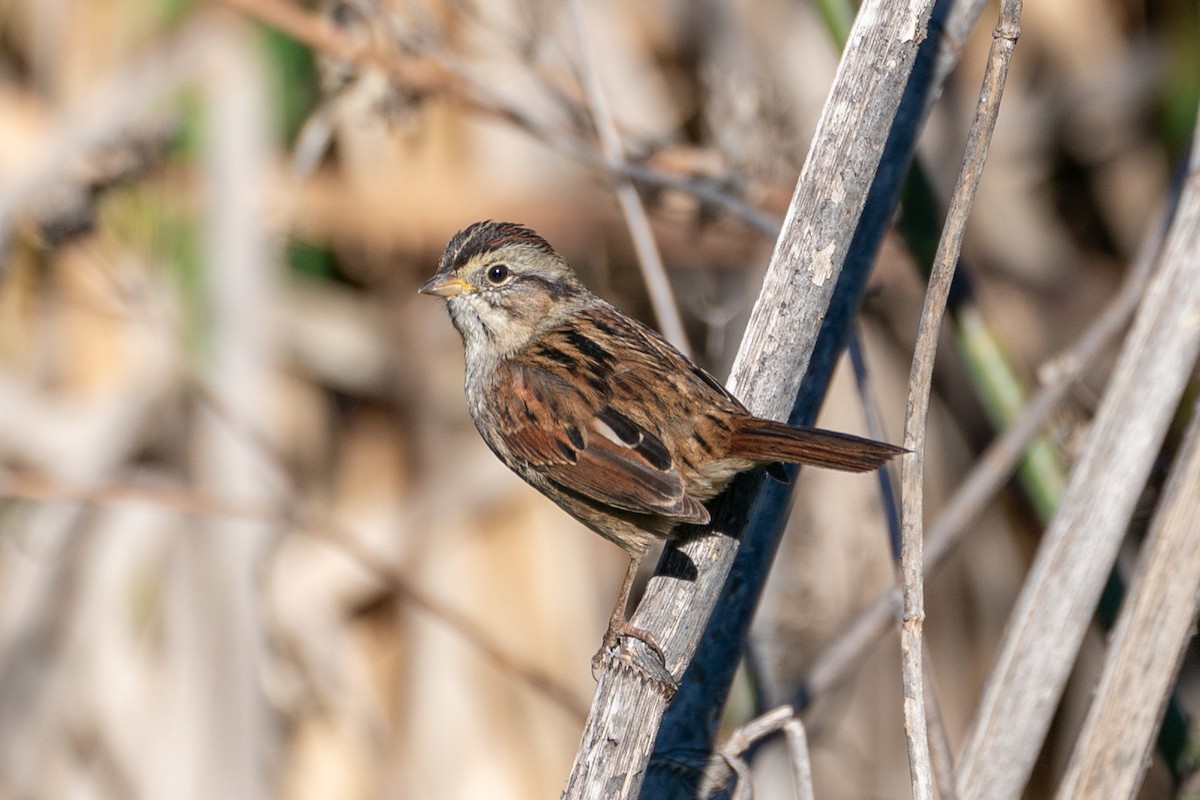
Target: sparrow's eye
498,274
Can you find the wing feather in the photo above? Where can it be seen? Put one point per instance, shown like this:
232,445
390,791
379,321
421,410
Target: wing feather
584,445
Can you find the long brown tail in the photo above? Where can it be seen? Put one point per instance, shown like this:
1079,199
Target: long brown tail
765,441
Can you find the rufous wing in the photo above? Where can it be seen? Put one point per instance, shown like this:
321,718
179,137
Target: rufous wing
591,449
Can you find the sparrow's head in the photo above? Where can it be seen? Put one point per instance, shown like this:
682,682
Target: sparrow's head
502,284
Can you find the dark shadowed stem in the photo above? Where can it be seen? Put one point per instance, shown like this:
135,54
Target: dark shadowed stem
666,310
885,474
912,467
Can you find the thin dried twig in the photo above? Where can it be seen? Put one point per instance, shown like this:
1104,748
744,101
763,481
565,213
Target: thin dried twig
662,298
912,468
180,499
320,33
778,719
441,77
797,743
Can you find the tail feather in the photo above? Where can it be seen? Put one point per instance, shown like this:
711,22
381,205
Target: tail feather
765,441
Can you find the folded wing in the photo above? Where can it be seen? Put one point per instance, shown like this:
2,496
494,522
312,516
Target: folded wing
589,448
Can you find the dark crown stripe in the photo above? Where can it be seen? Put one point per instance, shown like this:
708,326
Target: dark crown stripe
486,236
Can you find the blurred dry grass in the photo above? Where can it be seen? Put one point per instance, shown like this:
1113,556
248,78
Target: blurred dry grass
227,363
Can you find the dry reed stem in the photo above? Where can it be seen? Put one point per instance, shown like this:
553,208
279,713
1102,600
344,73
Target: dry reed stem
1076,555
1147,646
214,638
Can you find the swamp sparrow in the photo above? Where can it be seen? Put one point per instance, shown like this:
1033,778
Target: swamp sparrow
596,410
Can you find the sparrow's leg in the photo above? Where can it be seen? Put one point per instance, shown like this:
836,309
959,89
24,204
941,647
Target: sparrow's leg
619,625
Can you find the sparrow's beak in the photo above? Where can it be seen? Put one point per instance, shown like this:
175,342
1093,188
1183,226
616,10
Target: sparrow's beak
445,285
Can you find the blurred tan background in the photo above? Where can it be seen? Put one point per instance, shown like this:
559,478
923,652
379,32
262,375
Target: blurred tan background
251,545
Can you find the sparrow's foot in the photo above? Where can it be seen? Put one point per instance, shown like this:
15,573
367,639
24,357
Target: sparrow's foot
654,670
